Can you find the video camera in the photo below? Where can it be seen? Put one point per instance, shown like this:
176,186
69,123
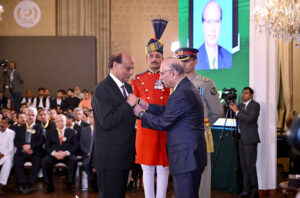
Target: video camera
229,95
3,63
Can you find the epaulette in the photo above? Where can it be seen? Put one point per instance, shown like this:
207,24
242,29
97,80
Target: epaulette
205,79
136,76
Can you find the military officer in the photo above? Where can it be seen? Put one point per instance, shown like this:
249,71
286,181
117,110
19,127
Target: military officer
150,144
212,108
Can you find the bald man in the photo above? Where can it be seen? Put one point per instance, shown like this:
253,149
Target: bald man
183,119
61,146
211,55
114,132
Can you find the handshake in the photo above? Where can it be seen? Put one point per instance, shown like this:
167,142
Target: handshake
138,104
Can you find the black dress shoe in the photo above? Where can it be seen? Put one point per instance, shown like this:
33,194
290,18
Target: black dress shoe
50,188
69,188
244,194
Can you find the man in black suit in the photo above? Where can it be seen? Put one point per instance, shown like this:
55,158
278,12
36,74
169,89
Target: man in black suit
59,101
61,146
247,114
71,101
79,124
183,119
15,85
45,121
29,143
85,146
114,132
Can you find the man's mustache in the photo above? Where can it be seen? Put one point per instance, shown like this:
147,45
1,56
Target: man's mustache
154,62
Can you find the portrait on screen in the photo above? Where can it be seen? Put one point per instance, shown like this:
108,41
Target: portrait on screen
213,34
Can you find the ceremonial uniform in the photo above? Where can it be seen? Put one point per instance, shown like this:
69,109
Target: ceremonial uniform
150,144
212,111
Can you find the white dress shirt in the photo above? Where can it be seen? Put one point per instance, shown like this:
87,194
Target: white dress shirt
119,83
212,58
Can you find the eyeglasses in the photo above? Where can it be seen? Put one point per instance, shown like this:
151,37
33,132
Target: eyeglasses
163,72
212,21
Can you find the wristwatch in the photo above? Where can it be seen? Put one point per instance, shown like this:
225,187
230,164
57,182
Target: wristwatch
141,114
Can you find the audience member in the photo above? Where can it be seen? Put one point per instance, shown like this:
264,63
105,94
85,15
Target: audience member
59,101
72,102
86,102
23,107
6,151
61,146
41,101
79,124
29,143
28,99
53,114
78,93
45,121
85,144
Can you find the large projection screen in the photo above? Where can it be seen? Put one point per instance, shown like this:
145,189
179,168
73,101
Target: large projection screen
52,62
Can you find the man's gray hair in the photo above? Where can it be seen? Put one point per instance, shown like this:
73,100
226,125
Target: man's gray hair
77,109
31,109
177,66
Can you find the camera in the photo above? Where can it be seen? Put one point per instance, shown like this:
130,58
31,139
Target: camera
3,63
229,95
293,135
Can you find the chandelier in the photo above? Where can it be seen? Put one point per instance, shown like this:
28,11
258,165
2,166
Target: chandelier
280,19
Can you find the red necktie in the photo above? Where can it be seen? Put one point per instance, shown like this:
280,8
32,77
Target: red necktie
60,136
124,92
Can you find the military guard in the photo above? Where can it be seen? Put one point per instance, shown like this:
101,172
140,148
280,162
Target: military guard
150,144
212,108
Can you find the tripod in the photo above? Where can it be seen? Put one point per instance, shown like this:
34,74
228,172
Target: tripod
235,137
4,81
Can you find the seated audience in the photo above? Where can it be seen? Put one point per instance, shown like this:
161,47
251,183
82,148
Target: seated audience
6,151
85,117
23,107
86,102
85,144
28,99
41,101
70,121
53,114
59,101
71,101
78,93
45,121
61,146
21,120
29,143
79,124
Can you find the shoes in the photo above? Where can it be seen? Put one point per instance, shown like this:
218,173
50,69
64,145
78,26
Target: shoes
132,186
70,188
25,188
244,194
50,188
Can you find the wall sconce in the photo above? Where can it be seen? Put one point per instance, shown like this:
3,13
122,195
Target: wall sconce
1,11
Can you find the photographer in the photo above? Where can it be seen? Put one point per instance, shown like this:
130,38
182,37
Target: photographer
15,85
247,114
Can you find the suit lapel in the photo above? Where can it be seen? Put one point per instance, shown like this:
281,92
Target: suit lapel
114,87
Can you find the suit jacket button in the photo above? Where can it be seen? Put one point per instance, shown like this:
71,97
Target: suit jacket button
146,90
148,98
161,97
143,83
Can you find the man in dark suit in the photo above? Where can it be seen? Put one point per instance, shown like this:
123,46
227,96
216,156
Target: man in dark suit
183,119
114,133
59,101
211,55
85,146
15,85
79,124
247,114
61,146
45,121
29,142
